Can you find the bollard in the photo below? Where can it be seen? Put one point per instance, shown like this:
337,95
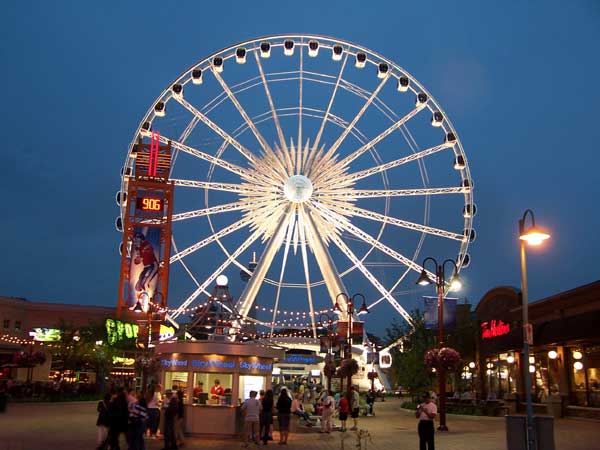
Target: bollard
544,430
516,433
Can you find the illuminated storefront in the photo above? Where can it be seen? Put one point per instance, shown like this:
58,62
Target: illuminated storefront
564,363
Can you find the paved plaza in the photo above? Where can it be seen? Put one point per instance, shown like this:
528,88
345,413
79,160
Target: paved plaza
71,426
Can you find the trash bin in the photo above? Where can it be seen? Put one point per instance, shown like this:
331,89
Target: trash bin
544,432
516,432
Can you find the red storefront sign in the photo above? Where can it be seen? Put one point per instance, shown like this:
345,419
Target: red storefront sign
494,328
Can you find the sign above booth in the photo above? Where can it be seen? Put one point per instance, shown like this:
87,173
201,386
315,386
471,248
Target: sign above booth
218,363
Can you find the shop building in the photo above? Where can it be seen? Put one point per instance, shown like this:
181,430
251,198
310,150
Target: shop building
564,362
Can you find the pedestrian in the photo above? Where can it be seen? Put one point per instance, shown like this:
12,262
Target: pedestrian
118,417
154,404
266,417
370,402
138,415
284,409
344,408
354,407
298,410
170,407
180,420
327,402
251,410
426,413
103,421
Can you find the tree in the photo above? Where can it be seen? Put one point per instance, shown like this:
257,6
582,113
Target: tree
408,369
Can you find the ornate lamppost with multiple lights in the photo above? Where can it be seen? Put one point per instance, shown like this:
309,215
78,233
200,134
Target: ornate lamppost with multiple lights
531,236
327,325
349,301
454,284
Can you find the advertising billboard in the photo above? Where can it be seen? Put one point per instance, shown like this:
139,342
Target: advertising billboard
143,267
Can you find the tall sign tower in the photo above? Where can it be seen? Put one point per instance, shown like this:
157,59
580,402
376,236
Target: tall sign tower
146,247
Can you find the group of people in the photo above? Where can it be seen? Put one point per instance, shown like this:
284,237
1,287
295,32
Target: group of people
137,415
258,416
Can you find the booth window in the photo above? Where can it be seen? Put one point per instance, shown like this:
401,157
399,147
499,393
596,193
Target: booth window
250,383
177,381
203,382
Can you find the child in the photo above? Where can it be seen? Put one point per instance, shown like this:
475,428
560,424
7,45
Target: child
344,406
251,409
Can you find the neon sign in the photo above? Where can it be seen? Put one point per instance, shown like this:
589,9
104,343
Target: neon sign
493,329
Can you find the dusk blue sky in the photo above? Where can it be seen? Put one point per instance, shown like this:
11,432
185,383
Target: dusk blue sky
520,81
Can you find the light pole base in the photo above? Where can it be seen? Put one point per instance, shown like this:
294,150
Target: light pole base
442,428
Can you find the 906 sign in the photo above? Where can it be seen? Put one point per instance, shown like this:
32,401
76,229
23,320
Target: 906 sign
149,204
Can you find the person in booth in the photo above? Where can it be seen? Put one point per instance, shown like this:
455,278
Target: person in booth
217,390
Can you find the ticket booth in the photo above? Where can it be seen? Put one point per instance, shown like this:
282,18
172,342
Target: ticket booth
195,367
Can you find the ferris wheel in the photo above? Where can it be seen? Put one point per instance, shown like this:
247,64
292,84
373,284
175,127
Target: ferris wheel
329,162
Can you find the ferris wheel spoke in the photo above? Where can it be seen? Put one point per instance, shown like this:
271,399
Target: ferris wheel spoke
350,194
345,224
341,208
202,288
360,113
218,235
381,136
259,137
234,168
369,276
213,126
271,105
218,209
225,187
298,163
301,221
398,162
329,105
288,240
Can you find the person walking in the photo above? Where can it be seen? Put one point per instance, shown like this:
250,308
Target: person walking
251,410
180,420
344,408
426,413
284,409
266,417
103,421
118,417
170,407
354,407
371,402
154,404
138,415
327,411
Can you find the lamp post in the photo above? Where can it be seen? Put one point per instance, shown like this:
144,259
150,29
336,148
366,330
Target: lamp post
327,325
530,236
350,311
440,282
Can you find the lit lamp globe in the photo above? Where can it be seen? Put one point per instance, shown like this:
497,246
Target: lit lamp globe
552,354
222,280
534,236
510,359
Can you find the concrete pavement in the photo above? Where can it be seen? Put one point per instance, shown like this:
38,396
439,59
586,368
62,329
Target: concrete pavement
71,426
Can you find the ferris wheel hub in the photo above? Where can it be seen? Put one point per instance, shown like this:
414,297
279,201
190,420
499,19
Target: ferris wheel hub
297,188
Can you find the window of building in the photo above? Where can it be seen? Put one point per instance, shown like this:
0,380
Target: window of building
17,325
206,381
177,381
6,324
250,383
585,376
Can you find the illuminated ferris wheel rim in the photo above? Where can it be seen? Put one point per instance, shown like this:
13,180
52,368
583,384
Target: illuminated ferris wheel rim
207,66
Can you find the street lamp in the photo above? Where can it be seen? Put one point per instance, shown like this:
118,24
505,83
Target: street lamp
328,326
532,236
350,312
442,286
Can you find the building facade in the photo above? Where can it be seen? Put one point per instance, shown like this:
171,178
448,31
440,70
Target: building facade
564,363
